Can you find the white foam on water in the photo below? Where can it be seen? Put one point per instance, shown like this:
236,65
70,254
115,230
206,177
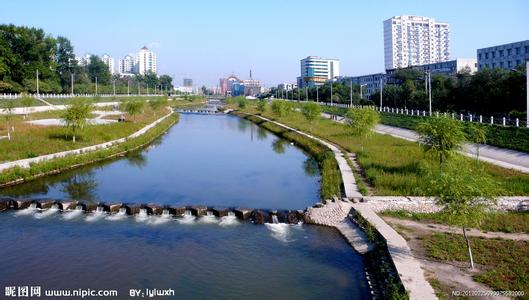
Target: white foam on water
157,220
187,219
49,212
95,216
280,231
142,216
32,209
229,220
73,214
119,216
209,218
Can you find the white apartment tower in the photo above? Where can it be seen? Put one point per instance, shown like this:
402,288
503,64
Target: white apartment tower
414,40
146,61
109,61
126,65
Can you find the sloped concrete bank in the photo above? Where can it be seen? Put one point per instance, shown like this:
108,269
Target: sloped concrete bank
16,172
392,261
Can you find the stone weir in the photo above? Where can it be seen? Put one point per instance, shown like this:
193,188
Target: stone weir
257,216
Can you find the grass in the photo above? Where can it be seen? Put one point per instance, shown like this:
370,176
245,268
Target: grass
18,175
331,180
65,101
510,222
392,166
33,140
506,262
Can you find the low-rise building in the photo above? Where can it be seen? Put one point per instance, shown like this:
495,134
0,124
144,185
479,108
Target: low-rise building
316,71
506,56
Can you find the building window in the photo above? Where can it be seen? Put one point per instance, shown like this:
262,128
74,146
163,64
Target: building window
479,55
487,55
501,64
494,54
518,62
493,65
509,64
501,53
517,50
509,51
526,49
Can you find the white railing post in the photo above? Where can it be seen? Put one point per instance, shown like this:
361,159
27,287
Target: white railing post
480,119
491,120
517,122
461,117
470,116
503,121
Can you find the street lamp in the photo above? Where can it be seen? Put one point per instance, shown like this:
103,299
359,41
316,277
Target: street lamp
381,91
362,85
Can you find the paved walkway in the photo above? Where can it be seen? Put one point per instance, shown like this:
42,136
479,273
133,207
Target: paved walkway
506,158
502,157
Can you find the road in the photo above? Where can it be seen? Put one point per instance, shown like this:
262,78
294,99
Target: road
506,158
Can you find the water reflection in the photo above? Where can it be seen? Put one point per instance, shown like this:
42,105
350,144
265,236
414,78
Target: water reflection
310,165
243,125
279,146
137,159
81,186
262,134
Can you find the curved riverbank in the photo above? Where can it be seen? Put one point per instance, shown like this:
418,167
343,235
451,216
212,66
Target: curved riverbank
29,169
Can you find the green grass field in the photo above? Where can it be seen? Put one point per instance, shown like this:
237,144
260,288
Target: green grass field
393,166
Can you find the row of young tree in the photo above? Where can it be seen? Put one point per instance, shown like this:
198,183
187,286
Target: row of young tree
24,51
488,91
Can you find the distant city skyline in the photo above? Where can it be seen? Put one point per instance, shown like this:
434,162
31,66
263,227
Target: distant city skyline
197,39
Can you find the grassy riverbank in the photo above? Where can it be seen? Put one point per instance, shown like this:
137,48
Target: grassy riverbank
17,175
393,166
177,100
331,180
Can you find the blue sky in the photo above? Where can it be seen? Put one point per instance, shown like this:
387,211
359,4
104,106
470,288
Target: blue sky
205,40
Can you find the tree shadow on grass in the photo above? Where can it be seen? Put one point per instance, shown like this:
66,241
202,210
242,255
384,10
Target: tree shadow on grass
65,136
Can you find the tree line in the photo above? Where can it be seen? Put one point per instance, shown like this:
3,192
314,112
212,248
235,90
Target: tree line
488,91
24,51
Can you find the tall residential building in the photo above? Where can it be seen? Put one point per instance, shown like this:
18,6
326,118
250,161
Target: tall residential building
83,61
188,82
316,70
414,40
507,56
126,65
146,61
109,61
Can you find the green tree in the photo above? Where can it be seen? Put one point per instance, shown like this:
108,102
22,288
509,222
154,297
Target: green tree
441,137
261,106
66,63
477,134
464,196
166,82
98,69
361,121
279,108
311,111
76,114
8,107
132,108
241,102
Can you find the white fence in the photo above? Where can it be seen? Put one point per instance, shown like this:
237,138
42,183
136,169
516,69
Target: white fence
48,96
491,120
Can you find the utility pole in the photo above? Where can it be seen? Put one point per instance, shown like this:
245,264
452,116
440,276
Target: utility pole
114,87
71,84
527,91
381,91
331,91
317,95
361,85
128,87
306,94
96,86
38,82
430,91
138,88
351,92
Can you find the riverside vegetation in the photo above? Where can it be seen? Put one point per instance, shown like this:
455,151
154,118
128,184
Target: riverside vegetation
391,166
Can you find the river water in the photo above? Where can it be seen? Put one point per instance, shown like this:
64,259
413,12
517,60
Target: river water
213,160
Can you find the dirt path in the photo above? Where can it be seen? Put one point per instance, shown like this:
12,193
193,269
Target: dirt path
429,227
450,276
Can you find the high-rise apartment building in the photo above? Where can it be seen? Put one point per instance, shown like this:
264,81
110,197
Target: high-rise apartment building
83,61
188,82
109,61
316,70
146,61
414,40
126,65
